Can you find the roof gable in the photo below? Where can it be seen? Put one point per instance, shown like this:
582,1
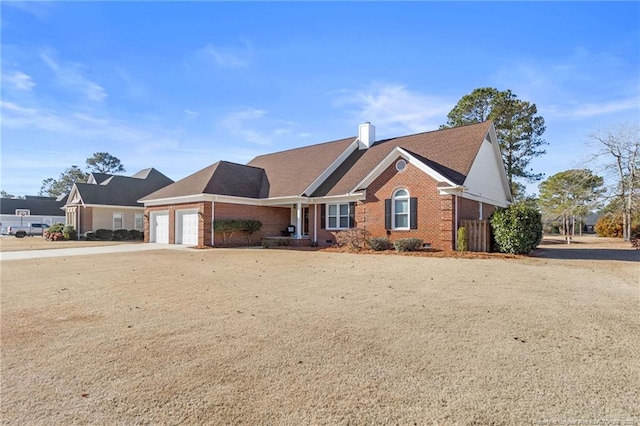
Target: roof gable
448,152
115,190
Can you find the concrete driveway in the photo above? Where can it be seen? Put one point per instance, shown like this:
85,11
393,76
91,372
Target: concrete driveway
79,251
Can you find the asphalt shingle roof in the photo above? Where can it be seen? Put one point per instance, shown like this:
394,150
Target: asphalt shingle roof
122,190
450,152
40,206
221,178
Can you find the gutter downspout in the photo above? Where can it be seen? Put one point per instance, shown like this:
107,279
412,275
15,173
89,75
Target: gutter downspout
315,223
455,232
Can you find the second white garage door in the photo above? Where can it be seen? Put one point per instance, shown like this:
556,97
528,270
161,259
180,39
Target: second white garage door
187,227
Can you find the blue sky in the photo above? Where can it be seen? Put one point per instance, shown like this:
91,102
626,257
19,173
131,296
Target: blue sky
180,85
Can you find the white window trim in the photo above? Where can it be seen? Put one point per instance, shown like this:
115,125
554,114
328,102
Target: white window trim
113,216
394,197
338,216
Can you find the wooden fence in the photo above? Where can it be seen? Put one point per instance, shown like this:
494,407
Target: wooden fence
478,234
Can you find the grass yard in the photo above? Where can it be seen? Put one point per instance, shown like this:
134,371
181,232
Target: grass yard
249,336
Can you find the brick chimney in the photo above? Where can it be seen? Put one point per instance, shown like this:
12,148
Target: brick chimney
366,135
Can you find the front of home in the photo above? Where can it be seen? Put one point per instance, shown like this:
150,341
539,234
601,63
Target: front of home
418,186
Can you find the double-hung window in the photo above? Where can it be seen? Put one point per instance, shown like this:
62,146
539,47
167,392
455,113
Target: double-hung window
138,221
401,209
117,221
338,216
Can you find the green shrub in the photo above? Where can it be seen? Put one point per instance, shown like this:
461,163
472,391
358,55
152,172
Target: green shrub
56,227
120,234
276,242
89,236
250,227
134,234
70,233
462,239
517,229
104,234
354,238
408,244
228,227
379,243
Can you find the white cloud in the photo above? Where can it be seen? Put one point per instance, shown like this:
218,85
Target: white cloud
18,80
69,76
392,108
228,57
191,114
243,124
593,109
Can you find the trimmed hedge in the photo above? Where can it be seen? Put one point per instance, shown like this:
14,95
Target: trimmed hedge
103,234
408,244
517,229
121,234
70,233
380,243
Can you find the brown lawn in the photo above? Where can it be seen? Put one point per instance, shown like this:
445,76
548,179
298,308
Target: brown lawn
11,243
250,336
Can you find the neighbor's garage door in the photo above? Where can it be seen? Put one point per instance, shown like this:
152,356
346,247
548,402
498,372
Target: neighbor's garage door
187,227
159,227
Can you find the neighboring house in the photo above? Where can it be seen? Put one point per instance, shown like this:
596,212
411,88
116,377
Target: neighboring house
111,201
31,209
418,186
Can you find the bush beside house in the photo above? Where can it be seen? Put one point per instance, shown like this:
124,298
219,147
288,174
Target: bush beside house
517,229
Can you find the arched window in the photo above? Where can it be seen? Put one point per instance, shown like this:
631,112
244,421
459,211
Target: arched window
400,214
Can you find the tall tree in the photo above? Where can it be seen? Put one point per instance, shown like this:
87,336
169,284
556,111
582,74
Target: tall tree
569,194
619,150
518,128
103,162
56,187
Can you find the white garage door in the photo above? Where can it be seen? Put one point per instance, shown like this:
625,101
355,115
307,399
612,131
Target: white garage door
187,228
160,227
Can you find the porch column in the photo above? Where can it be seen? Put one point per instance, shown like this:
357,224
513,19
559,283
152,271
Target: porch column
299,220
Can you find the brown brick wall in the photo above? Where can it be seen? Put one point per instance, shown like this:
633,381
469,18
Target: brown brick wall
274,221
435,212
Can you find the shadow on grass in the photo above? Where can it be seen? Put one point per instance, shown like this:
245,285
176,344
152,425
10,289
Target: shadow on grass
629,255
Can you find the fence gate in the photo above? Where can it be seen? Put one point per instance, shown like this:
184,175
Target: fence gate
478,234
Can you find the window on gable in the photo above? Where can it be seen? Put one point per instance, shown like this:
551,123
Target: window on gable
117,221
138,221
339,216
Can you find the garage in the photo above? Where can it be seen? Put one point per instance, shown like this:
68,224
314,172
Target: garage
159,227
187,227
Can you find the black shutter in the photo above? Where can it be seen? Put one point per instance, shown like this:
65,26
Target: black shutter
387,213
413,213
323,208
352,214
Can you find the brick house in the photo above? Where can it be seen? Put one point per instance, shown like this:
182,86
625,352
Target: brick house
418,186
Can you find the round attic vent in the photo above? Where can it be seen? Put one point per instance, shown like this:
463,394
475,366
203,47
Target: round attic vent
401,165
